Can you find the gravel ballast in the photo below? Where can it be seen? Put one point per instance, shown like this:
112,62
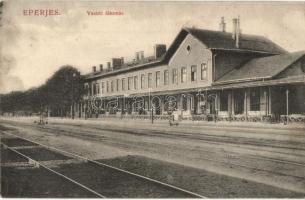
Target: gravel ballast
200,181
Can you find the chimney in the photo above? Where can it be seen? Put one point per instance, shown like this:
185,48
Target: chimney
234,28
222,25
101,67
142,55
108,66
117,62
160,50
236,31
137,56
94,68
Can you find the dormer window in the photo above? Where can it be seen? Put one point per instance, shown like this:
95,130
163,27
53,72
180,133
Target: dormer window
303,66
188,48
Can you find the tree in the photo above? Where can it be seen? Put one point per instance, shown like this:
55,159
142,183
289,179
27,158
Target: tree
56,96
63,88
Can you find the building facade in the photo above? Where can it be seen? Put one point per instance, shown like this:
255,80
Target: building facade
202,75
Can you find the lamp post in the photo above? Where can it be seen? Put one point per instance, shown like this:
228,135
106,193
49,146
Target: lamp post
151,106
0,106
152,114
73,76
287,105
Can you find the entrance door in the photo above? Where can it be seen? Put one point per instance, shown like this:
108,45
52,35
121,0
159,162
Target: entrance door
157,105
190,104
278,101
239,97
211,109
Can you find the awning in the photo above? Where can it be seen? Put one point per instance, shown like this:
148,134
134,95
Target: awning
275,82
282,81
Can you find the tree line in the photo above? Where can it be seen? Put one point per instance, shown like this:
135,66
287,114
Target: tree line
55,96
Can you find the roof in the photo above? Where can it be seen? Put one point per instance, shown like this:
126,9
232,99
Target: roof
264,67
224,40
212,39
140,65
132,65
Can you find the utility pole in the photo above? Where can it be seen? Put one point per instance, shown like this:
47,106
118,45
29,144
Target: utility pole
216,107
152,115
72,111
0,105
151,106
287,105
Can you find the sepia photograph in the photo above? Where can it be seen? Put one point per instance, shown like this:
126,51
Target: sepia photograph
152,99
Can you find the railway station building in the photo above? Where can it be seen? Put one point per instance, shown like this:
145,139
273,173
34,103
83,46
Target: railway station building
203,74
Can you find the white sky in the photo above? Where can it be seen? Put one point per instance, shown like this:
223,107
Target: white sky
34,47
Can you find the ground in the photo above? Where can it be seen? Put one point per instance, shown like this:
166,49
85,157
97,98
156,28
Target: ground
219,159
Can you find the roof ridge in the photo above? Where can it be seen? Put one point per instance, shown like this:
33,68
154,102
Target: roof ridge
228,33
216,39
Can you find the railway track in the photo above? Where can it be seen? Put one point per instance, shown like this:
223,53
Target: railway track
145,187
36,163
207,138
202,138
281,161
251,156
240,165
195,135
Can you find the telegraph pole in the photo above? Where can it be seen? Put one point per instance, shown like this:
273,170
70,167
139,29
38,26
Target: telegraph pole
151,106
0,105
152,115
287,105
72,111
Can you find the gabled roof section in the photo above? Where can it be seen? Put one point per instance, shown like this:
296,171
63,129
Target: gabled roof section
224,40
219,40
175,45
261,68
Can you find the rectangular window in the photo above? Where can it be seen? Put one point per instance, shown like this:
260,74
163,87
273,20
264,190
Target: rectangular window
98,88
184,104
103,88
204,71
123,84
107,87
158,78
183,74
175,76
129,83
142,81
255,99
149,80
224,101
117,84
194,73
166,76
87,89
94,88
135,82
112,86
